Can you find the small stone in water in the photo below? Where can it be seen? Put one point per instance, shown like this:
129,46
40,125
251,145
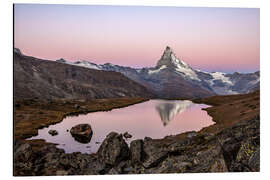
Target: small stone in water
53,132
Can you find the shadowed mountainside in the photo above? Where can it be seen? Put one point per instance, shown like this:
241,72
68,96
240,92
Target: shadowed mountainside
37,78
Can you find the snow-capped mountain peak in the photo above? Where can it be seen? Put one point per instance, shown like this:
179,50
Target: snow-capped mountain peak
170,60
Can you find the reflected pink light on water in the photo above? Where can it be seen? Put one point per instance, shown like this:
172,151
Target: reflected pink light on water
154,118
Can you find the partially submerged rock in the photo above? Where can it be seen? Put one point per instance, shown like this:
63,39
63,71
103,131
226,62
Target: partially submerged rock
113,149
82,133
53,132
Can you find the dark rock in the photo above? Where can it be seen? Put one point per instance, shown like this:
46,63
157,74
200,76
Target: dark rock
192,134
254,161
23,152
127,135
174,164
136,149
53,132
113,171
154,153
209,160
113,149
147,139
82,133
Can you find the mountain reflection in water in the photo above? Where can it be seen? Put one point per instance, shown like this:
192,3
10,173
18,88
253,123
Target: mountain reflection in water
168,110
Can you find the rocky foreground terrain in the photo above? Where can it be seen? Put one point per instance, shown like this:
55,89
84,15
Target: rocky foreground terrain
230,145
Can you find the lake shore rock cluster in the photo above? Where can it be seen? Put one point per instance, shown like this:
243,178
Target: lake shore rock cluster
234,149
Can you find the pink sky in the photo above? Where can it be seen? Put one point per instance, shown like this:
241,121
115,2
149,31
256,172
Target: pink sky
211,39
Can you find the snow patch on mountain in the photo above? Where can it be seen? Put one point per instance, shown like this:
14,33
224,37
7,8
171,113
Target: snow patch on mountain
220,76
188,72
157,70
88,65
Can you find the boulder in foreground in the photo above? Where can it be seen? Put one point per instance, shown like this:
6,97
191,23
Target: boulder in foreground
114,149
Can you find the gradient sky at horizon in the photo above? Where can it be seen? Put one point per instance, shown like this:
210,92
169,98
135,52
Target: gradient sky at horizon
210,39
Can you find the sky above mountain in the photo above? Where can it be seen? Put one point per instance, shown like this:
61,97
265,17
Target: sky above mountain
211,39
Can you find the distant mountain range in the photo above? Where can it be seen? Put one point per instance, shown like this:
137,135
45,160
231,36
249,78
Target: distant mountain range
43,79
173,78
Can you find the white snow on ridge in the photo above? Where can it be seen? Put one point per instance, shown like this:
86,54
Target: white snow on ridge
202,71
87,65
220,76
187,71
157,70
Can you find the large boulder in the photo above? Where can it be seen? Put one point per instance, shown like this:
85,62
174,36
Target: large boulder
209,160
154,152
136,149
82,133
113,149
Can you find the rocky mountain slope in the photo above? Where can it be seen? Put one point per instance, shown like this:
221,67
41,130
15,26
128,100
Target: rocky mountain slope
173,78
37,78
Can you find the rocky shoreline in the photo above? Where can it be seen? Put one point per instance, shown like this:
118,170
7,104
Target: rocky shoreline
235,149
231,145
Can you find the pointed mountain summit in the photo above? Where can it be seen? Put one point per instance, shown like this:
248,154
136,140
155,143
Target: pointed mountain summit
169,59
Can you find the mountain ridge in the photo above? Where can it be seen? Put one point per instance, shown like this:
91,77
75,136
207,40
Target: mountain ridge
43,79
174,78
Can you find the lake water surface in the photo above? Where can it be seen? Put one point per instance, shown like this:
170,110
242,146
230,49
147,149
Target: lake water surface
154,118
